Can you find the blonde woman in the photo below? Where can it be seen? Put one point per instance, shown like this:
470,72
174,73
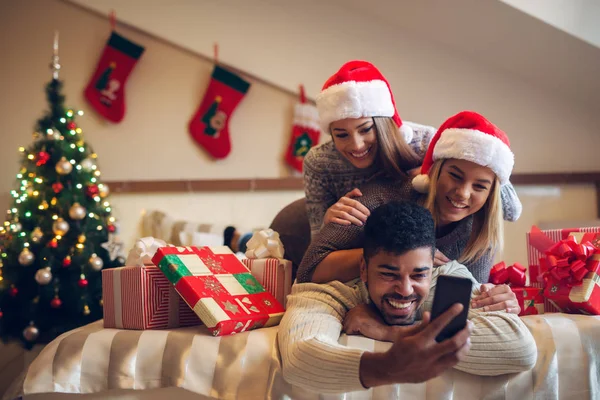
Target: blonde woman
468,162
357,107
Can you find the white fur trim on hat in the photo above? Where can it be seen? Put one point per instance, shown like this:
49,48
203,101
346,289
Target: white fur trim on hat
421,183
478,147
354,100
307,116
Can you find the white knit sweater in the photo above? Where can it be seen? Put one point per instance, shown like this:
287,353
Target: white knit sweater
313,359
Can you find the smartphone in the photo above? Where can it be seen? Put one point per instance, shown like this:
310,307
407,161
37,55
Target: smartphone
451,290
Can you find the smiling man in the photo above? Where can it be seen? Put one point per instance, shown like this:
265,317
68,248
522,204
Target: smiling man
397,282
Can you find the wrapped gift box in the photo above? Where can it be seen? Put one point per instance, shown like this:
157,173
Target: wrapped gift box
143,298
535,245
219,288
531,300
275,274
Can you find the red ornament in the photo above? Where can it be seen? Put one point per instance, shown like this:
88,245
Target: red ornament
57,187
82,282
56,303
71,125
53,244
66,262
13,291
42,158
91,190
1,314
111,228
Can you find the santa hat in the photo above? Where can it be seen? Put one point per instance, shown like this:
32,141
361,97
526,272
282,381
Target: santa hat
358,90
468,136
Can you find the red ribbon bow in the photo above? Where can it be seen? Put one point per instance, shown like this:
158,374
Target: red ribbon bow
515,275
568,262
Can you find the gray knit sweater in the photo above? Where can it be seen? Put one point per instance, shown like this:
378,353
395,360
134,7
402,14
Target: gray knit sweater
328,176
334,237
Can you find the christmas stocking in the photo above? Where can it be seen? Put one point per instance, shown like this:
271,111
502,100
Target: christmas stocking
106,90
305,132
209,126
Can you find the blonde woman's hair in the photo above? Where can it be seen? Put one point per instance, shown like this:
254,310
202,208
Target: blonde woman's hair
394,154
487,233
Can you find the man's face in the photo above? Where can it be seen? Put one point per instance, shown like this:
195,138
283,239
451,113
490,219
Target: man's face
398,284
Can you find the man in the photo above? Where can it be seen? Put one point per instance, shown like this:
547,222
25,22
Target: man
396,277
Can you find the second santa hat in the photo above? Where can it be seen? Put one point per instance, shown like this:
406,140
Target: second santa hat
358,90
468,136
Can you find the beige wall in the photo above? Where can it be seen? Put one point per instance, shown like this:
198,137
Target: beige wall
288,44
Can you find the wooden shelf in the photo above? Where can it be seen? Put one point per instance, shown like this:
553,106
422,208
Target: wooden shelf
295,183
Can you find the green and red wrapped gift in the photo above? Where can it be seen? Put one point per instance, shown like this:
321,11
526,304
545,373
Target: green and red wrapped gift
219,288
530,298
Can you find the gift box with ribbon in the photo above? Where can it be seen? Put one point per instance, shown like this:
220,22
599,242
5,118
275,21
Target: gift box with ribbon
568,268
530,298
265,252
219,288
139,296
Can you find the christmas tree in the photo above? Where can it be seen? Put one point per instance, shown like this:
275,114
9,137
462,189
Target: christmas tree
58,234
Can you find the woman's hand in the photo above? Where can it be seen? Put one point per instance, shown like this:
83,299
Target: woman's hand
497,298
348,211
440,258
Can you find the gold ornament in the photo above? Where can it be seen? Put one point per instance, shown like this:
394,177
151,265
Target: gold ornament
37,235
26,257
103,190
43,276
63,166
31,333
60,227
77,212
101,302
86,310
96,262
81,238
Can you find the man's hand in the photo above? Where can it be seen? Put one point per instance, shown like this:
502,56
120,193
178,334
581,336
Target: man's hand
496,298
416,356
347,211
364,320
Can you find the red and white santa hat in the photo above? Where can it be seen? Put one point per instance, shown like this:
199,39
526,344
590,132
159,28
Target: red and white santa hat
468,136
358,90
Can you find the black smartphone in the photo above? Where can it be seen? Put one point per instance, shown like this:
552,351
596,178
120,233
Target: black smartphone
451,290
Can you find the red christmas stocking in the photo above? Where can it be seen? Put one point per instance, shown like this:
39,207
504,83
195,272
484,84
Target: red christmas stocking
305,132
106,90
210,125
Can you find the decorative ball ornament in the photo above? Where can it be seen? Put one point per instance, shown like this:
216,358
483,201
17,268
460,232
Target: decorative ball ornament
67,261
26,257
1,314
111,228
103,190
86,310
87,164
43,276
42,158
55,302
82,283
53,243
63,166
31,333
13,292
71,125
92,190
37,235
57,187
60,227
77,212
81,238
17,227
96,262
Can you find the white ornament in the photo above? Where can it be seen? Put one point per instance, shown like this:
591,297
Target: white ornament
114,247
87,164
63,166
43,276
60,227
96,262
77,211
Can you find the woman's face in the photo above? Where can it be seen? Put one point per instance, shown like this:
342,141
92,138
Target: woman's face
462,189
356,140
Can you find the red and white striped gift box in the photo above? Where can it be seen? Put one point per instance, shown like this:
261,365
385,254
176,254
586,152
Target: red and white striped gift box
143,298
275,274
533,256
